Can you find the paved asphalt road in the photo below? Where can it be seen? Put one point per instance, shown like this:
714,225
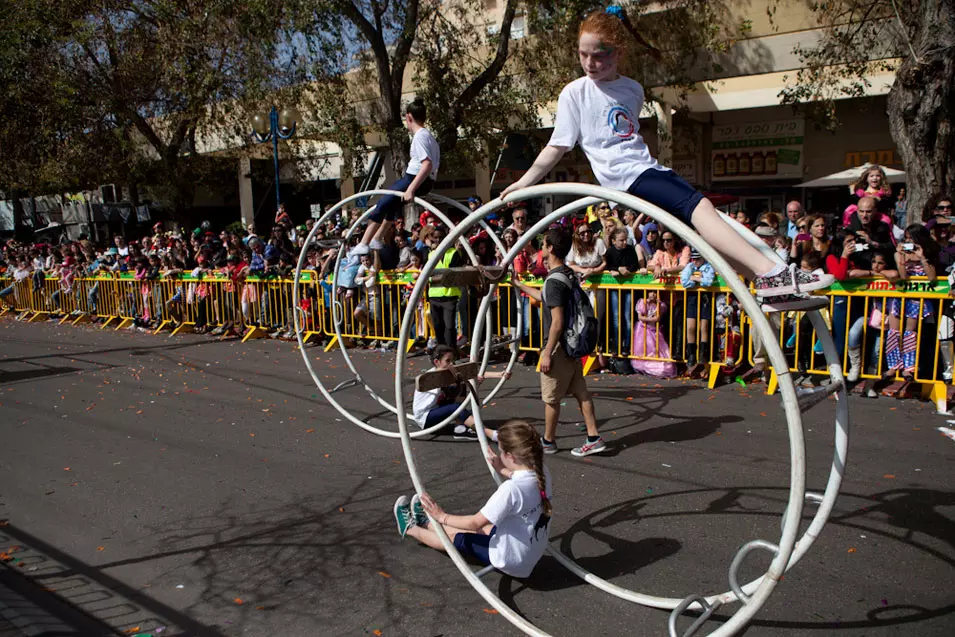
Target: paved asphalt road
202,486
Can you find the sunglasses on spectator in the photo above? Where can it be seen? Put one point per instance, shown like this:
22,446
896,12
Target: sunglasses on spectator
944,207
603,207
665,239
519,217
802,227
584,231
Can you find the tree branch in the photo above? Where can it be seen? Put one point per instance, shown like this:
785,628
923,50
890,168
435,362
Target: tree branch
374,37
489,74
403,47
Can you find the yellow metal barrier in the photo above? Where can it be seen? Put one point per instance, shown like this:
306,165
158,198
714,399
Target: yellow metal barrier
899,331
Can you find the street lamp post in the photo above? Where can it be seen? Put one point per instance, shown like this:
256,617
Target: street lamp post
273,127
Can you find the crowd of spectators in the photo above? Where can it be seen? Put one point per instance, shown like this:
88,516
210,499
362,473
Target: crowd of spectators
868,239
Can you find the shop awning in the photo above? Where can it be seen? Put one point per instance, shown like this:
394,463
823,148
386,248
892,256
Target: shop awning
846,177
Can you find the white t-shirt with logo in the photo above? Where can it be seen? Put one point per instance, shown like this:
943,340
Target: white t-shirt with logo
603,117
515,509
424,146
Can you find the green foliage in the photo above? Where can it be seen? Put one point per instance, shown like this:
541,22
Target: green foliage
130,90
674,44
861,35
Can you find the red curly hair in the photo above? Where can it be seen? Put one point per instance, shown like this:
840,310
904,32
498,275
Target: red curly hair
609,28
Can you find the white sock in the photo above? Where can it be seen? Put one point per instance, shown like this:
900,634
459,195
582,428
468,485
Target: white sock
494,435
776,269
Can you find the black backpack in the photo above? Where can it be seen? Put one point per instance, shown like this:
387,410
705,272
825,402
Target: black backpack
581,330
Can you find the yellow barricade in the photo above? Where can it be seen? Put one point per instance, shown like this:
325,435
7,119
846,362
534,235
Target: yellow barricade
884,330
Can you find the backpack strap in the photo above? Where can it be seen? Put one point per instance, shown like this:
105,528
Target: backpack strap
560,276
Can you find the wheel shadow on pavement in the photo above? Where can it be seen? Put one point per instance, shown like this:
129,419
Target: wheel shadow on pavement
83,596
914,512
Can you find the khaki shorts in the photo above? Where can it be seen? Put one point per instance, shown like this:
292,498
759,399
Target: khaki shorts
566,376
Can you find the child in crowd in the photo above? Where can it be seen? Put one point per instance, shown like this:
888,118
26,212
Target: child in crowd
170,275
916,255
510,532
697,274
649,344
801,328
622,261
727,327
433,406
366,312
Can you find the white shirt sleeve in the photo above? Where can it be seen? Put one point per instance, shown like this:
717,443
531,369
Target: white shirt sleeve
600,248
567,124
571,257
424,146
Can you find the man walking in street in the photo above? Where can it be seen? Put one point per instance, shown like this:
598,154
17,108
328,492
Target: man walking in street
560,374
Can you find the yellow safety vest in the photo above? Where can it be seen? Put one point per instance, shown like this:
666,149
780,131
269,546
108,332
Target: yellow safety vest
436,291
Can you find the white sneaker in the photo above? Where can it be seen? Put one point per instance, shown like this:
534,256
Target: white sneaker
462,432
376,244
359,250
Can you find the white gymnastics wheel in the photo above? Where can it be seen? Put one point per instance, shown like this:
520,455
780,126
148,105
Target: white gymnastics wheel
296,296
788,550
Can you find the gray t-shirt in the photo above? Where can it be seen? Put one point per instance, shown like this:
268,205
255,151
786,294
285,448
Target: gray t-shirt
556,294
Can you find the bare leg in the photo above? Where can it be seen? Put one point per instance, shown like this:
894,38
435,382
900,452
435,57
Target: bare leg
691,331
370,232
375,230
590,416
429,537
551,416
734,248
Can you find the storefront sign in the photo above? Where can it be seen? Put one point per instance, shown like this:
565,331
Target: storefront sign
882,157
760,150
686,168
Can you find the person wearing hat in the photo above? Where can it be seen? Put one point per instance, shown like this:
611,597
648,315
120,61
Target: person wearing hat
697,274
475,202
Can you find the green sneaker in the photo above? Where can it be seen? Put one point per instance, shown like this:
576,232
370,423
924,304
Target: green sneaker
403,515
420,517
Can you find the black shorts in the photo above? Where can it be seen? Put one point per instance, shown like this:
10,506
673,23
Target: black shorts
696,300
668,190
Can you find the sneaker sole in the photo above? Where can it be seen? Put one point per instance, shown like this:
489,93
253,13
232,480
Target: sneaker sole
807,305
550,450
474,438
824,282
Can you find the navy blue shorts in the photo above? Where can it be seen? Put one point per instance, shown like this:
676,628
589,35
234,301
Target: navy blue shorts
668,190
475,545
389,205
441,412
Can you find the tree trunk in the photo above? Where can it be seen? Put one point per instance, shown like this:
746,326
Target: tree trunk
921,105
